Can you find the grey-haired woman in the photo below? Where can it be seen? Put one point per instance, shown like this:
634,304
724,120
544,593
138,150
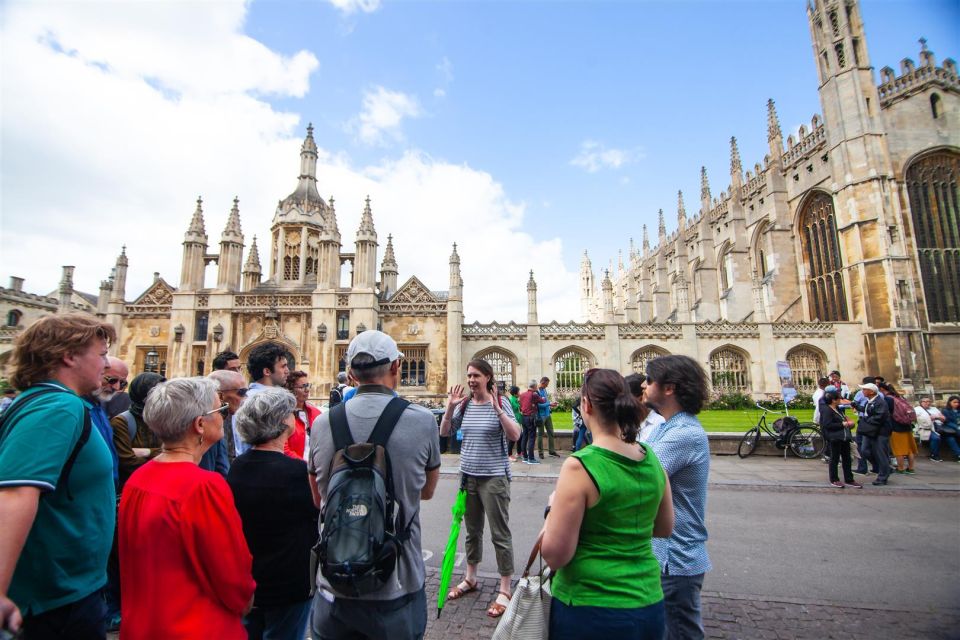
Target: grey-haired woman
273,495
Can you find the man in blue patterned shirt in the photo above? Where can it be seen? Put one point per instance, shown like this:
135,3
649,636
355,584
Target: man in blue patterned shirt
677,389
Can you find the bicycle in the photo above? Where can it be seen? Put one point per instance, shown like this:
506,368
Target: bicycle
804,440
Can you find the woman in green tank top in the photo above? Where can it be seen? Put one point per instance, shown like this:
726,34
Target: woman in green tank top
611,498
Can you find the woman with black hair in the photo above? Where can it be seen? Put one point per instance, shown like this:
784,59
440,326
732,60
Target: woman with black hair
836,431
611,499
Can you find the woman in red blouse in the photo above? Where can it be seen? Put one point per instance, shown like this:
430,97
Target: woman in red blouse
185,570
305,414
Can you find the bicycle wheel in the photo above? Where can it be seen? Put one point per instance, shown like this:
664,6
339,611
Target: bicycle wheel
749,442
806,442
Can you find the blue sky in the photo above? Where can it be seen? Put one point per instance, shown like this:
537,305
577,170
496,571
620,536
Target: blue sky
525,131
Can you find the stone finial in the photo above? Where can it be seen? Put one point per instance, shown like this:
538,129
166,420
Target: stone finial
253,258
196,227
704,185
773,122
233,231
662,231
681,211
735,167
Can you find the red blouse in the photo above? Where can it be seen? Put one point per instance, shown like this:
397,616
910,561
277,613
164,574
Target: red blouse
295,444
185,570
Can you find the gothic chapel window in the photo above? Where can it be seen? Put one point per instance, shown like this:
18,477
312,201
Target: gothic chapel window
821,251
935,205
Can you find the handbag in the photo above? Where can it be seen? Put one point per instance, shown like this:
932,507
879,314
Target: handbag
528,615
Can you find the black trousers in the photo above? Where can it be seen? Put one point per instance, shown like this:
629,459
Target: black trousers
840,452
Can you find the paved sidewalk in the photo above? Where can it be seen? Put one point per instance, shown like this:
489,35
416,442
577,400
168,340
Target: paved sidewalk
767,472
726,617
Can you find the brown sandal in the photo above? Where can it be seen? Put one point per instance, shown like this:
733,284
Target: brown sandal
461,590
498,606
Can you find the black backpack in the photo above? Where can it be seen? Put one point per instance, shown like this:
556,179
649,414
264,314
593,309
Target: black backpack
336,395
361,542
18,405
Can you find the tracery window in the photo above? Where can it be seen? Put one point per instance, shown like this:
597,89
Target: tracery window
935,205
821,250
807,366
640,358
502,364
729,372
413,365
570,366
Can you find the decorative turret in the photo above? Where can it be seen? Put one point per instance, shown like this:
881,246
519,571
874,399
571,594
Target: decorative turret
681,214
251,268
365,265
531,300
705,198
118,290
194,250
736,169
388,271
231,251
66,290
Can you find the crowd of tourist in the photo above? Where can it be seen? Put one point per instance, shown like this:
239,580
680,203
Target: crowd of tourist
191,507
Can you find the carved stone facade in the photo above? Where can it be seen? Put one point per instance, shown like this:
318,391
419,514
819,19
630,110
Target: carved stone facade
841,249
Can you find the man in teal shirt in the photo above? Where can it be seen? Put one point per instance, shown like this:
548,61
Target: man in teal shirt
57,495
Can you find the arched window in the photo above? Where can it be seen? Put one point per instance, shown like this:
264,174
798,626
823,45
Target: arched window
640,358
502,363
807,365
821,250
13,318
570,366
936,108
729,371
935,205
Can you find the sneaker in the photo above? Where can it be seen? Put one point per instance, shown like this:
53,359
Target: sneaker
534,461
937,459
855,485
838,485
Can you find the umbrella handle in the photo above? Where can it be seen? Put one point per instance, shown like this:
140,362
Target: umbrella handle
533,555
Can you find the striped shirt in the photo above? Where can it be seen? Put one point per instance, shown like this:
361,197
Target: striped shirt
484,448
684,451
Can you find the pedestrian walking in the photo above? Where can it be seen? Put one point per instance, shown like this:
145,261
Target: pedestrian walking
486,420
677,389
611,499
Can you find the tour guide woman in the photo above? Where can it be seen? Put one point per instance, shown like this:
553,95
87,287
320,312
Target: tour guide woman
486,419
185,571
611,498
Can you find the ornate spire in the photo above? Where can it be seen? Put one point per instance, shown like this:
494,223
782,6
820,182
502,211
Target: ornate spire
389,259
646,241
253,258
773,122
704,185
366,230
196,228
735,167
663,227
232,231
681,211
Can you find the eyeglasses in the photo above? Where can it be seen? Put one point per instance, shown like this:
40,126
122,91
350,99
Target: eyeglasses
223,410
112,380
242,391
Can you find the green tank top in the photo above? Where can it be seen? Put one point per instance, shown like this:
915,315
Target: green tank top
614,565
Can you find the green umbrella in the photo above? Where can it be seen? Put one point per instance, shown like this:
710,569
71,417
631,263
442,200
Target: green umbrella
450,552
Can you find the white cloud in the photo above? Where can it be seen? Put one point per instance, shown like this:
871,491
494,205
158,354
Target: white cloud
352,6
382,114
107,142
594,156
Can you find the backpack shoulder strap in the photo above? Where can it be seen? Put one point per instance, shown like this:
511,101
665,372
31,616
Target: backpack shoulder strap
338,425
388,420
131,424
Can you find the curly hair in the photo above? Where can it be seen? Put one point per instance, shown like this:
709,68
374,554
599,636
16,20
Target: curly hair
688,378
39,351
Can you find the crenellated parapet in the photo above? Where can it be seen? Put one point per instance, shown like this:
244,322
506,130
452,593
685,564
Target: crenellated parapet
914,79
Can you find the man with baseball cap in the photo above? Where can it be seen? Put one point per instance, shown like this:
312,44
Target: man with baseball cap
399,608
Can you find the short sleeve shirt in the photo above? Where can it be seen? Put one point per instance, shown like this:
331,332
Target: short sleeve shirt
683,449
65,555
414,449
483,451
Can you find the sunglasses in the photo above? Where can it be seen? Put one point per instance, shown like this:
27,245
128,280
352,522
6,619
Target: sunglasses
223,410
112,380
242,391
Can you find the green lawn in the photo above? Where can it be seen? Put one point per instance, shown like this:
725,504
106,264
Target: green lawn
732,421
